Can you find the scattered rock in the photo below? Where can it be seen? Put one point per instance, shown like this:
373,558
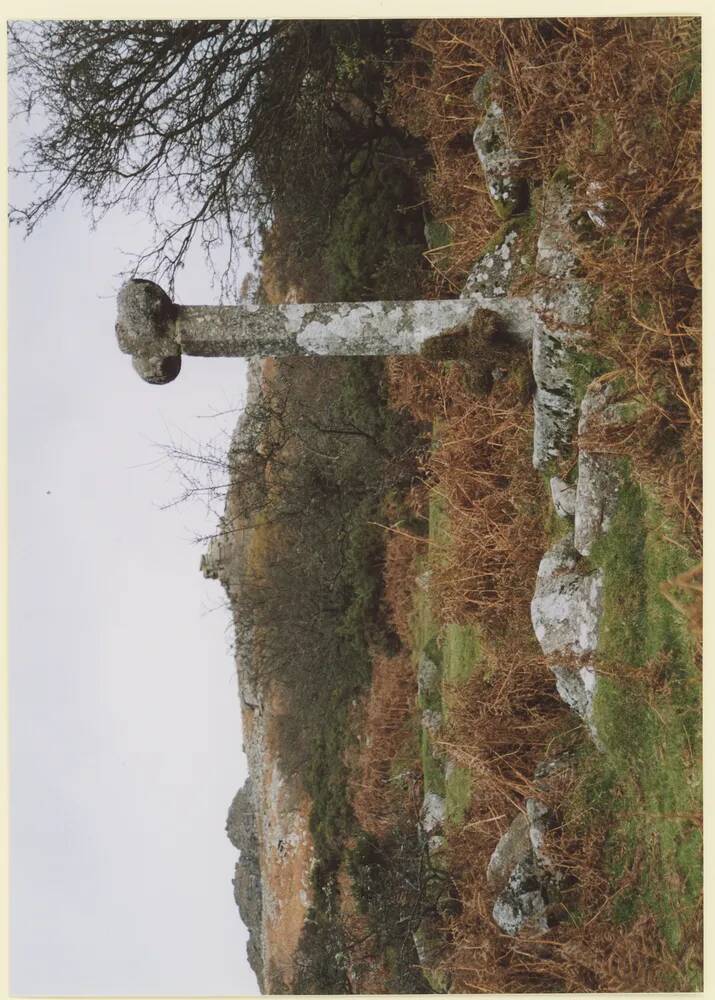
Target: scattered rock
514,848
597,209
428,677
435,847
429,944
554,423
499,163
432,724
522,905
433,813
563,495
599,482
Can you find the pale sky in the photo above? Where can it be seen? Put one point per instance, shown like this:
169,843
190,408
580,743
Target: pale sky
125,723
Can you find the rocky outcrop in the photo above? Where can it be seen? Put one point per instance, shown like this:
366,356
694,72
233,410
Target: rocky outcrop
268,818
243,833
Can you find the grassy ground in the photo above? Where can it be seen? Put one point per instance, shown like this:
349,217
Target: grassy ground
631,832
645,791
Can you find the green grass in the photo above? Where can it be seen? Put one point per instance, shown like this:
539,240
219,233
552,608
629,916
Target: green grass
456,651
438,235
432,767
461,651
458,795
583,368
602,131
646,788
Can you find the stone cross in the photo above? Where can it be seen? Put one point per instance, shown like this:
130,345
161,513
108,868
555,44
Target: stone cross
156,332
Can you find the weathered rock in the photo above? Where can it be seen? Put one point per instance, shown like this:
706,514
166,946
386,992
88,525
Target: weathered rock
555,256
500,163
566,607
433,813
522,905
565,613
513,848
554,422
599,482
599,476
563,305
563,496
435,847
432,725
538,817
428,677
494,272
577,687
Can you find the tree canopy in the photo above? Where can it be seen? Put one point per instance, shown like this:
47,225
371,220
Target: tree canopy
203,126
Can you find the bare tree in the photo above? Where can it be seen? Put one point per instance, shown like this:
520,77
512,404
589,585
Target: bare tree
201,125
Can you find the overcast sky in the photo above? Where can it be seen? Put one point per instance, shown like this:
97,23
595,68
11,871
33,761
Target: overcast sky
125,723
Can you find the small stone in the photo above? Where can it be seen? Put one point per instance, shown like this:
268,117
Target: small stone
547,772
